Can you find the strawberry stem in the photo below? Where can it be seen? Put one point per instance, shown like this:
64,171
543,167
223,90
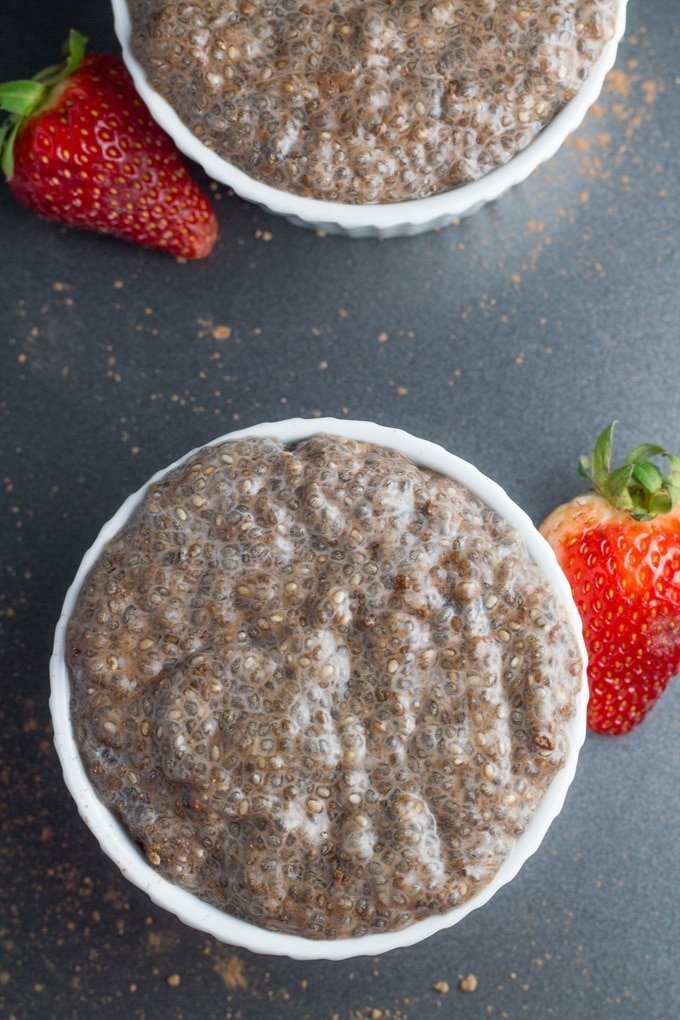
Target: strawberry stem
637,486
21,99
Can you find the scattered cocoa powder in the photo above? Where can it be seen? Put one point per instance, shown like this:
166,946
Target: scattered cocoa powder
231,972
468,983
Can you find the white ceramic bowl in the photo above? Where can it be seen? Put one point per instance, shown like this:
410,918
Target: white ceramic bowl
388,220
121,849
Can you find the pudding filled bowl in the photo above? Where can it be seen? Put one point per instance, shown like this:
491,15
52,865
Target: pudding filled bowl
371,705
371,119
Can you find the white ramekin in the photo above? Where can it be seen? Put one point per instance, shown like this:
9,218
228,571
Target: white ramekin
393,220
121,849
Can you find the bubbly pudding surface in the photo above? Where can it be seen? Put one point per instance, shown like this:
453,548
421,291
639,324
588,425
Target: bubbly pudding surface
374,101
322,688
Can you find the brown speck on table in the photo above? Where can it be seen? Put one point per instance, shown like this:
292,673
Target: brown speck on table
159,942
174,980
442,987
649,92
230,969
221,332
468,983
383,337
618,82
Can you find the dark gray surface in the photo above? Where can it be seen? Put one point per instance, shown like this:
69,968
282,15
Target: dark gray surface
512,339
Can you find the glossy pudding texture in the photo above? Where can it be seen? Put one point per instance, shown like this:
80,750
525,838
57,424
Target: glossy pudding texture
322,688
378,101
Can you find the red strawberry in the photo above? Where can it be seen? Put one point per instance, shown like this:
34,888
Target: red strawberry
620,549
82,149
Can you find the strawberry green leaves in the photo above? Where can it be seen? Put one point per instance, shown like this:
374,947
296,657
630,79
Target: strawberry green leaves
21,99
642,452
74,54
21,96
637,486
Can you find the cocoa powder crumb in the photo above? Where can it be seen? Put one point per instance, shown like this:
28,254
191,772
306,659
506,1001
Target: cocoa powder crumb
221,332
468,983
231,972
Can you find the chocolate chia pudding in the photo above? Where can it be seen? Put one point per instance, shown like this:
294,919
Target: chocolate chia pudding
379,101
322,688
